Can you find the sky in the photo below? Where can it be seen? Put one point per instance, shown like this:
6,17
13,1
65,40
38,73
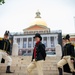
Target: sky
16,15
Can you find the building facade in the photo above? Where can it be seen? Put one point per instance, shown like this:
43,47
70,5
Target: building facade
26,42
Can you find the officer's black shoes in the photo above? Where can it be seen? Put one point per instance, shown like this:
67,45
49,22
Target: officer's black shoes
73,73
8,70
60,71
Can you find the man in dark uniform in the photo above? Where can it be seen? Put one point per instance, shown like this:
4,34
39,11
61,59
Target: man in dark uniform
5,51
67,56
38,56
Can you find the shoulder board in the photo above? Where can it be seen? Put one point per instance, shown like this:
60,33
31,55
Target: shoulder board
73,44
10,41
1,38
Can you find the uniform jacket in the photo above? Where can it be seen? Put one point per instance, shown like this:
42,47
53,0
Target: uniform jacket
40,52
4,45
68,49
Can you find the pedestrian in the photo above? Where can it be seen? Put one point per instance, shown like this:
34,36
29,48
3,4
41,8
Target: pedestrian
67,57
5,51
38,56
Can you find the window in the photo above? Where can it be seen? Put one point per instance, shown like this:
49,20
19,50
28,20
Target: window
29,42
52,42
23,52
34,43
18,41
30,32
24,42
29,51
45,41
40,31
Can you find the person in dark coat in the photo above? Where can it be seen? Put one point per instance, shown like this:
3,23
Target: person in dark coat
67,57
5,51
38,56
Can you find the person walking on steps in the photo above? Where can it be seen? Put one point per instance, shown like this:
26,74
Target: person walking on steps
68,57
5,51
38,56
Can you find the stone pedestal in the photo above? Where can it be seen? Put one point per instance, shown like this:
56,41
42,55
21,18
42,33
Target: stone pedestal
15,49
58,50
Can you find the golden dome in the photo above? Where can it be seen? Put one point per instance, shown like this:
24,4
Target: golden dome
38,20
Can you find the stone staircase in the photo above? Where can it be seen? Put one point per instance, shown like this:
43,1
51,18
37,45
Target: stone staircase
20,64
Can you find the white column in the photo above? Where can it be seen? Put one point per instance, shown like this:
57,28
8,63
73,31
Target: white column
15,40
56,40
42,39
21,42
47,42
27,43
32,42
50,42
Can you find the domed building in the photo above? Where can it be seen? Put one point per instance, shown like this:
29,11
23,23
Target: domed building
38,20
38,25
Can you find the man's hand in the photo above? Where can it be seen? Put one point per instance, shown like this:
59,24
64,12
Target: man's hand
72,61
8,53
